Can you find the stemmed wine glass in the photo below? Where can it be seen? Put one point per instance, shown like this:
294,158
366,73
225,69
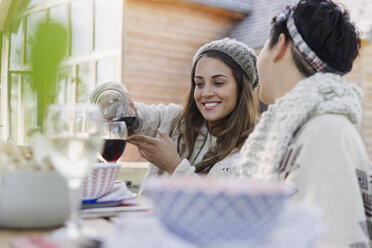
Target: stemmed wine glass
74,132
115,134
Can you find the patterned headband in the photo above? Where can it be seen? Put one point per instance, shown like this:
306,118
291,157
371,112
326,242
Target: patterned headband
310,55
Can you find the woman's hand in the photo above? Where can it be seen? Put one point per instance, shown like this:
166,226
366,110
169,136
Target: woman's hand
162,153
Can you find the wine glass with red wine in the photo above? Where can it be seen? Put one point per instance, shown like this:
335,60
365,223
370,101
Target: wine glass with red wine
115,134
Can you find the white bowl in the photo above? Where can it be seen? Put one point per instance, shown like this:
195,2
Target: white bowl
100,180
215,211
33,199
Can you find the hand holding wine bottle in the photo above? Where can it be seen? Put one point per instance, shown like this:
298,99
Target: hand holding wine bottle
116,104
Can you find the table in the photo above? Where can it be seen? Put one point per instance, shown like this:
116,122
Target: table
98,220
103,226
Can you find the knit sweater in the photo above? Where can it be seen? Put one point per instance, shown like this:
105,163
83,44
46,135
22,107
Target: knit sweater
166,118
307,138
325,160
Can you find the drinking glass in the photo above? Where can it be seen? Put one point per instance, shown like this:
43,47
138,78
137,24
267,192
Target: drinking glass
115,134
74,132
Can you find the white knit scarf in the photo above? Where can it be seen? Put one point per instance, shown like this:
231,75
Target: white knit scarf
263,151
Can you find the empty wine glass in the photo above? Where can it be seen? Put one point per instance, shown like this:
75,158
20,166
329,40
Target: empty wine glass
115,134
74,132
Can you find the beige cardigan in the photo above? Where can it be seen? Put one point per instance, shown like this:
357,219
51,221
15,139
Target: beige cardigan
325,160
165,118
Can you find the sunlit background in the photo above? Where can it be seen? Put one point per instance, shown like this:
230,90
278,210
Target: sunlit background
146,44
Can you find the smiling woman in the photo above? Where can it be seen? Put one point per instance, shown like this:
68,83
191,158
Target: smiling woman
204,136
216,90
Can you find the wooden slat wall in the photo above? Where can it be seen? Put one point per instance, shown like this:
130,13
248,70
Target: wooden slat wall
366,79
160,39
362,76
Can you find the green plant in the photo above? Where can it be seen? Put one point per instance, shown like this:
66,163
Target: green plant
47,51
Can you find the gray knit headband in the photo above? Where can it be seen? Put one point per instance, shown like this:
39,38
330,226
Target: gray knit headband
243,55
300,43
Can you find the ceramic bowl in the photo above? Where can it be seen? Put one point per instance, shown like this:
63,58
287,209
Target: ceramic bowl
214,211
33,199
100,180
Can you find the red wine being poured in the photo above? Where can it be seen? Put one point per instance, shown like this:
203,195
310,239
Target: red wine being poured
113,149
132,123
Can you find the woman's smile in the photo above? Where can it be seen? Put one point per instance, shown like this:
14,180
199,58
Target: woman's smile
210,105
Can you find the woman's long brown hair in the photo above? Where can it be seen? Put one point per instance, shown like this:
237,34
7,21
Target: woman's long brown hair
232,131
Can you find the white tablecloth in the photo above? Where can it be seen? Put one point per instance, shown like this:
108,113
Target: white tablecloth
299,226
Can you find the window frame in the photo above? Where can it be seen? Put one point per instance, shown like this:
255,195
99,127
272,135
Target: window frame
93,57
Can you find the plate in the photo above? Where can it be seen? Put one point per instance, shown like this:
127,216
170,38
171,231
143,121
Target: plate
118,194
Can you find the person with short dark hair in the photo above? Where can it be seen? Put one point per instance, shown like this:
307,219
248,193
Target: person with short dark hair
307,136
